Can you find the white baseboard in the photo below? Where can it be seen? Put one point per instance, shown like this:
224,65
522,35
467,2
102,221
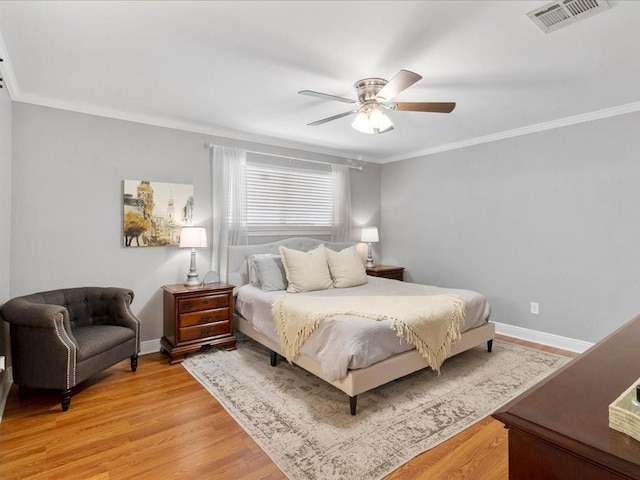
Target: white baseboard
149,346
543,338
5,385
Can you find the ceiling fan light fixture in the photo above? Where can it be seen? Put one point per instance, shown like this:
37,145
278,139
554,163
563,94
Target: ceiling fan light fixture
376,93
372,121
362,123
380,121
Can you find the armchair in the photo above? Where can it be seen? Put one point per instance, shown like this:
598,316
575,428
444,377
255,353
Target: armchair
62,337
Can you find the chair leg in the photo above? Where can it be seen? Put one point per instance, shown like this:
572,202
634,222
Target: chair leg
489,345
65,399
134,362
274,358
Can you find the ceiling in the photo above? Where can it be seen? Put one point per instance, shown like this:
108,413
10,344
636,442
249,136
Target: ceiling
234,68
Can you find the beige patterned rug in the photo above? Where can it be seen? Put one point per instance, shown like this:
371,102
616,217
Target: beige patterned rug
304,424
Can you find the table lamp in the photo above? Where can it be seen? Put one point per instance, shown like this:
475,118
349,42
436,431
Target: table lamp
369,235
193,237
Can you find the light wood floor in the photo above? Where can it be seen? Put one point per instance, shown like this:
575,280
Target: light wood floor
160,423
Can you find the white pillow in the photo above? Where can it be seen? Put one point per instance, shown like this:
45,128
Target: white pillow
306,271
346,268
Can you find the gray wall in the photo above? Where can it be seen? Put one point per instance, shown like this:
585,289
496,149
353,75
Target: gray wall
5,210
365,204
552,217
67,203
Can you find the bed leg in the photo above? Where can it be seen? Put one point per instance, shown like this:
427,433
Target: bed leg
489,345
352,404
274,358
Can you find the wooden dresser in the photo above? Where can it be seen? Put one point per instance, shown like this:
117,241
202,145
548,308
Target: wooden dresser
197,316
386,271
559,429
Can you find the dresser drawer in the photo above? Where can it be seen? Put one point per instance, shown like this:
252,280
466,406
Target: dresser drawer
186,305
205,316
203,331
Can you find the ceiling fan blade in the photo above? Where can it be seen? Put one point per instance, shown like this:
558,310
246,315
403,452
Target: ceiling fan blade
403,79
435,107
335,117
326,96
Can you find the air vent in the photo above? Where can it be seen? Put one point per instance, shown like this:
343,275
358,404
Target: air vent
557,15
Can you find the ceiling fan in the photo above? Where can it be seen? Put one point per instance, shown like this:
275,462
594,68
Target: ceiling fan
375,94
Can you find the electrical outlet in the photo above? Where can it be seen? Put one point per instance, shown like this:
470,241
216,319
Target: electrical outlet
535,308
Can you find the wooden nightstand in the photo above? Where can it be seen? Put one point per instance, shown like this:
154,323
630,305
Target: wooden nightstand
197,316
386,271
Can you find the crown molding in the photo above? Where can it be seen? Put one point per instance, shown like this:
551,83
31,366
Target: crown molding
178,125
517,132
17,96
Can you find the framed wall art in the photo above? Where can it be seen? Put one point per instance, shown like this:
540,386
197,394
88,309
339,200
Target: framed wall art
154,212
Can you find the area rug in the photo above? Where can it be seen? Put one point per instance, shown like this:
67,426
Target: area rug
304,424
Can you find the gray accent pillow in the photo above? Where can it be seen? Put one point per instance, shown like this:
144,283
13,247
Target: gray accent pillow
266,272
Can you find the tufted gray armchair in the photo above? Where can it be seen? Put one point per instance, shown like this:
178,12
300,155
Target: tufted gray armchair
62,337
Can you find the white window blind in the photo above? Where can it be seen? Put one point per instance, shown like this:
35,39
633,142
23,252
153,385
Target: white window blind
287,200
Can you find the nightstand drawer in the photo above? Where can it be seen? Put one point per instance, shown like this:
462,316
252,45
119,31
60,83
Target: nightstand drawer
186,305
204,331
206,316
394,275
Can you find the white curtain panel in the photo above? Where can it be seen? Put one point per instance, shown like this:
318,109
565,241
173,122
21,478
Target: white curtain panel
229,193
341,221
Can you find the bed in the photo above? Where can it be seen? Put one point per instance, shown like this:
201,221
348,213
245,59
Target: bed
353,374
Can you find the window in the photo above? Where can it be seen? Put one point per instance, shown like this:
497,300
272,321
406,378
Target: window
284,200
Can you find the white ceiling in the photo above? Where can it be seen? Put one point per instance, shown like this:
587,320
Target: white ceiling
234,68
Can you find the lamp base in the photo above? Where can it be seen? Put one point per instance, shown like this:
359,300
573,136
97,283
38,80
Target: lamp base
369,263
192,276
192,281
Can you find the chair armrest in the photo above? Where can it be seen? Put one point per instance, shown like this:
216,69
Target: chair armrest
121,308
22,312
19,311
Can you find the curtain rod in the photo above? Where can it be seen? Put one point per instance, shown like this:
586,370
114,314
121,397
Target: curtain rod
210,145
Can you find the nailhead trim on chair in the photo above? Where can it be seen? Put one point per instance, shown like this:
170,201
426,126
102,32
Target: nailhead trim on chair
70,347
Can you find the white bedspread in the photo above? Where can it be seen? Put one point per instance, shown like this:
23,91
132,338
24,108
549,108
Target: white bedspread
345,342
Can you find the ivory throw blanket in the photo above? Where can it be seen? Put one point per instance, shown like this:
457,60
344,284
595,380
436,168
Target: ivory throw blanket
430,323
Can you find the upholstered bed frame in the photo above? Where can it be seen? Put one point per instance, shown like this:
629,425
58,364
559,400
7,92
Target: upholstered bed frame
356,381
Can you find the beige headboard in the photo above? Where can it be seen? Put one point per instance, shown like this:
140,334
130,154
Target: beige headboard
238,255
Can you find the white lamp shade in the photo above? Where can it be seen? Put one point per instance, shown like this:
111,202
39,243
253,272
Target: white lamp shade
362,123
193,237
379,121
369,234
